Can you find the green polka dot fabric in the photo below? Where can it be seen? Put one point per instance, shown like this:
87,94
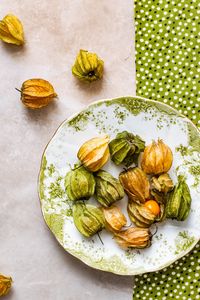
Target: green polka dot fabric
168,70
168,53
179,281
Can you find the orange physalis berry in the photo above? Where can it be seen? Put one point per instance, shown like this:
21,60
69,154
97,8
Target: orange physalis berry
153,206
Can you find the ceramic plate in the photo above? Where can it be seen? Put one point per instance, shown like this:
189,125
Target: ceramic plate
150,120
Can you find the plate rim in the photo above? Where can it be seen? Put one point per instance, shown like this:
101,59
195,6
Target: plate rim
83,259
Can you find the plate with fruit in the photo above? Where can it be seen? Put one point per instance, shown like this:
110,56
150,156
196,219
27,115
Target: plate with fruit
119,185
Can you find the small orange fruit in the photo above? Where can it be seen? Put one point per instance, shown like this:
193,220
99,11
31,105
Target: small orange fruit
153,206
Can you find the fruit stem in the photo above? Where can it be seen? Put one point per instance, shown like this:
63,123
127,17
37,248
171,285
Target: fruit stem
18,90
155,231
100,238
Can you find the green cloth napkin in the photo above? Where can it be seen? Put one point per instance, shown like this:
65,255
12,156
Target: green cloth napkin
179,281
168,70
168,53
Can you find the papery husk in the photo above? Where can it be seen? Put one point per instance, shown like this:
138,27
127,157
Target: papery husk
140,215
88,218
125,148
94,153
79,184
108,189
162,215
114,218
88,66
179,202
5,284
162,199
11,30
37,93
163,183
157,158
133,238
161,192
136,184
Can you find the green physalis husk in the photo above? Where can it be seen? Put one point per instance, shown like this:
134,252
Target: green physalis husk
179,202
88,66
88,218
79,184
108,189
125,148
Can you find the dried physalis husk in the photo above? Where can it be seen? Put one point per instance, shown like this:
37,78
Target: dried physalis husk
37,93
88,218
88,66
162,215
162,183
79,184
134,238
161,198
11,30
179,202
114,218
136,184
5,285
140,215
157,158
94,153
125,148
108,189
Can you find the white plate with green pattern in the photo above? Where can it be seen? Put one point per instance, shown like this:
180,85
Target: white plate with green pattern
150,120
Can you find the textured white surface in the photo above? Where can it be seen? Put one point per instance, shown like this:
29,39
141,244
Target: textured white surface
55,31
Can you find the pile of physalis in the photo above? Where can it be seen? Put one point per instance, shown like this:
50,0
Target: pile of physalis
152,196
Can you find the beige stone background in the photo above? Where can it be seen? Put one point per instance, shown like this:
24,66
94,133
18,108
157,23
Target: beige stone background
55,30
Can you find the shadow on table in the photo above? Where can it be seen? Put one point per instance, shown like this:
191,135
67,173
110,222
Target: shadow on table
105,279
44,114
89,87
12,49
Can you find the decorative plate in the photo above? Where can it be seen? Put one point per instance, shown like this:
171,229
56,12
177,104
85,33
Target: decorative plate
150,120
